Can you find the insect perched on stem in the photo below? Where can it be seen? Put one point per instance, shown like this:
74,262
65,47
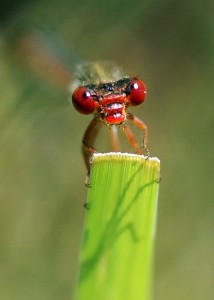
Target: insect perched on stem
108,99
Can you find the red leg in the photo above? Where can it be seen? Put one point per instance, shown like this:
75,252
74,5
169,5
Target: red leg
130,137
114,138
140,124
89,139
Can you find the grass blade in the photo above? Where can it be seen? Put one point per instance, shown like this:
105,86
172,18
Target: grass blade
117,250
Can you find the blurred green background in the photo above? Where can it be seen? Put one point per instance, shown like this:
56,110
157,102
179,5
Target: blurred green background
170,45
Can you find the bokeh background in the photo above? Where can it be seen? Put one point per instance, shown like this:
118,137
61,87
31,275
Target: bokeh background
170,45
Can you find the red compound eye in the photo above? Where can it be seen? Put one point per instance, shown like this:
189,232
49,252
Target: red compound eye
83,100
136,92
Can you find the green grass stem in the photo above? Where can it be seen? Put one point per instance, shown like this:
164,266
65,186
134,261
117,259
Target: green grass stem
117,250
